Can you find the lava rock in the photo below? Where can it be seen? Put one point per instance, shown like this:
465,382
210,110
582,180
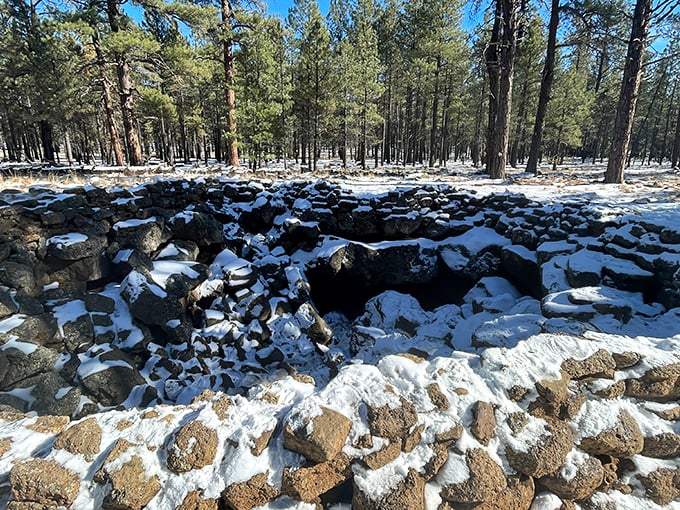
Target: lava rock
623,440
245,495
486,480
45,482
193,447
323,442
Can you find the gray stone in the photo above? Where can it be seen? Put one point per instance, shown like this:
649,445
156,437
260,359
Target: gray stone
65,248
18,276
203,229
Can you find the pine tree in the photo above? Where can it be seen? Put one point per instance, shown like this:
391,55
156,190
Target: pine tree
312,93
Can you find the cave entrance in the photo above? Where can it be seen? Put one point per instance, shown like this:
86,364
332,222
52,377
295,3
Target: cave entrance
348,295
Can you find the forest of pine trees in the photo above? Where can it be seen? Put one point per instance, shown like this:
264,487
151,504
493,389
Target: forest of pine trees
509,83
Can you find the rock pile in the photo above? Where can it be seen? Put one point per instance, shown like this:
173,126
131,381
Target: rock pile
517,386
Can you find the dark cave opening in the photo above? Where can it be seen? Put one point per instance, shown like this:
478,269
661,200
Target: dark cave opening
348,295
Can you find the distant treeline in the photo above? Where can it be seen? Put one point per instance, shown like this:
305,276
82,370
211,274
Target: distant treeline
372,82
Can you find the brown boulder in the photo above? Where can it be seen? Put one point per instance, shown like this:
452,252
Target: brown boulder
662,446
623,440
546,455
438,399
486,480
392,423
612,391
554,391
662,486
323,440
82,438
626,359
45,482
193,501
483,422
261,442
409,494
518,495
249,494
49,424
308,483
383,456
131,489
576,481
661,384
600,364
193,447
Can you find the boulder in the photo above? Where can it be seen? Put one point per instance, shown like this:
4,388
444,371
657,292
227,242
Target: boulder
193,447
392,423
144,235
82,438
379,458
544,456
36,329
409,494
53,395
584,268
45,482
483,424
662,446
131,488
577,479
245,495
25,363
660,384
623,440
518,495
485,481
75,246
600,364
308,483
320,438
148,302
438,399
19,277
203,229
662,485
194,501
112,385
313,325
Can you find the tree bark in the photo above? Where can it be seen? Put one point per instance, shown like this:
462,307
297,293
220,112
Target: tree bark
126,90
47,140
507,19
108,103
675,153
492,56
229,64
546,86
435,114
630,86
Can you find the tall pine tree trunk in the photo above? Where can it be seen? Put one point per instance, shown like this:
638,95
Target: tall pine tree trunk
435,114
546,86
47,140
232,141
492,57
630,86
675,153
108,103
506,27
126,90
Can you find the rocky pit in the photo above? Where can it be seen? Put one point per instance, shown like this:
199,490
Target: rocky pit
238,344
